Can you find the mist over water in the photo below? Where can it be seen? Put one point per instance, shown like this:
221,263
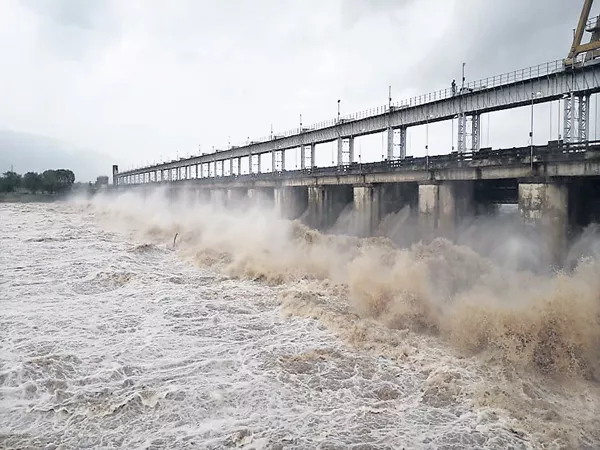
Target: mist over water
258,332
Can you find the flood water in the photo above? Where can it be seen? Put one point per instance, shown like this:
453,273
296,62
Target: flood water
258,334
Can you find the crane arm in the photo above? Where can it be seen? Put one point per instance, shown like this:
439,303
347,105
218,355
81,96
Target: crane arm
585,13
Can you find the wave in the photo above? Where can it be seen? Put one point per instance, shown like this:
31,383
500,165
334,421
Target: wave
548,322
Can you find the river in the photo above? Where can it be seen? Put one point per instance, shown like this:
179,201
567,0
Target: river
256,333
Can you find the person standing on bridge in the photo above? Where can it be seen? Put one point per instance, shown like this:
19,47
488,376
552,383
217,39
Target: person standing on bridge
453,88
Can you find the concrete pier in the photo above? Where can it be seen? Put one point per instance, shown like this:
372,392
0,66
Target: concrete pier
237,197
443,207
544,206
325,203
428,210
291,201
367,208
218,197
260,196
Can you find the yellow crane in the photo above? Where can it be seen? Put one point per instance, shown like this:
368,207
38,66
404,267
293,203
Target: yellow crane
585,24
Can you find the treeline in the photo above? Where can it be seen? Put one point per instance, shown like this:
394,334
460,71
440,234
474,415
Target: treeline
50,181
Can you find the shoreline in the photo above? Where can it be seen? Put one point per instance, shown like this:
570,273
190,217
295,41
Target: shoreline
22,197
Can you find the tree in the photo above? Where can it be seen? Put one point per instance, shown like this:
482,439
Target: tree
65,178
33,182
10,181
49,181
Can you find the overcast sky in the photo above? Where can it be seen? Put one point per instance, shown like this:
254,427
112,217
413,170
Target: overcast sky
145,80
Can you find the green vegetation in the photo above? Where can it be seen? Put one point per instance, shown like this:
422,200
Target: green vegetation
50,181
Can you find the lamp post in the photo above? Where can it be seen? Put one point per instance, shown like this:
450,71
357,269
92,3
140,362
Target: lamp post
429,116
452,135
533,96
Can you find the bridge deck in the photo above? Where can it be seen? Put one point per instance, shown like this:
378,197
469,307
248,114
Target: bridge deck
548,81
553,160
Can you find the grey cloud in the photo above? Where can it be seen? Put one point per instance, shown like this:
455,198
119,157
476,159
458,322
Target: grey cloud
353,11
496,37
74,29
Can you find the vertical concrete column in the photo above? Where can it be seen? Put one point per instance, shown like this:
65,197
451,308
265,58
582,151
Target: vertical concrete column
351,149
428,210
403,132
367,209
290,202
115,174
259,196
236,197
475,132
340,154
302,156
204,195
313,148
326,203
252,195
274,160
545,207
218,197
461,138
282,160
443,207
390,143
455,205
316,206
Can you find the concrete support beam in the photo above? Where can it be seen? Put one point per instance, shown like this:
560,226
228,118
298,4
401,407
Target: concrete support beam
475,132
203,195
274,161
340,151
236,197
291,202
367,209
350,150
218,197
403,132
260,196
313,147
429,199
455,204
461,139
443,207
316,207
390,143
303,156
326,203
545,207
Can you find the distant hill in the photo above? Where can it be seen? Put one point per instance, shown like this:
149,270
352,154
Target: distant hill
29,152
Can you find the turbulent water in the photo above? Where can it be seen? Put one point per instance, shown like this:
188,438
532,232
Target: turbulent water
252,332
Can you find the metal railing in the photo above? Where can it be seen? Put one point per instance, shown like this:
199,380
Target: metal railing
554,151
508,78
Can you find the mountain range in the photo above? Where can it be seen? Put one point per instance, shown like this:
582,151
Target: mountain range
23,152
